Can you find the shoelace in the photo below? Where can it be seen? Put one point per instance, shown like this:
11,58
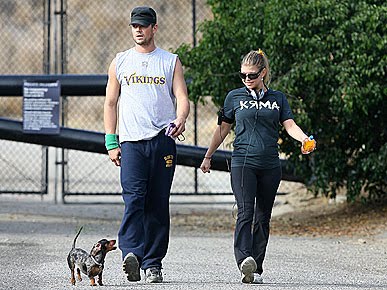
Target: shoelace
154,271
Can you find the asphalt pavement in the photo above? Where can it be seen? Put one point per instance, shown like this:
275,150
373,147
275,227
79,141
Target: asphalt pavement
36,236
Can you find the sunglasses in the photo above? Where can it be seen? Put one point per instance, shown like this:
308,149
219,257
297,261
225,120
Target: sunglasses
251,76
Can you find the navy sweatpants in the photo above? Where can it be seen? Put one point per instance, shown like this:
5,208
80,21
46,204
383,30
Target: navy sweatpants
254,191
147,169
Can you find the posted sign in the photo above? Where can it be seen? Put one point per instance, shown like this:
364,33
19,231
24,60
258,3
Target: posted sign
41,107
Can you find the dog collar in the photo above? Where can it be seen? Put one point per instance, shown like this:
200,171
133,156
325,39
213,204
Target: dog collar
99,264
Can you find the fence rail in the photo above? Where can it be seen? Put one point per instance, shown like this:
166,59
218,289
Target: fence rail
94,142
71,84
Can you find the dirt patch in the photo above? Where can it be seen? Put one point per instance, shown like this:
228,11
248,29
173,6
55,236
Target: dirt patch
317,217
296,214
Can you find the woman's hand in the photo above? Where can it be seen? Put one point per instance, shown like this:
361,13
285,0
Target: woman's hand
206,165
308,146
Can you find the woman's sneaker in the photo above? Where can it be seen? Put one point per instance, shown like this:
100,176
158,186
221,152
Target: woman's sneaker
247,267
131,267
153,275
258,279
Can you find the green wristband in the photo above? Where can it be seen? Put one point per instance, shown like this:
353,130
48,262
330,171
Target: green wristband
111,141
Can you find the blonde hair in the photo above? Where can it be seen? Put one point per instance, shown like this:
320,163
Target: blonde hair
259,59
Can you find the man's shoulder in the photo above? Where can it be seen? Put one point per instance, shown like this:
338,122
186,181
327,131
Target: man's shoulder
125,52
165,52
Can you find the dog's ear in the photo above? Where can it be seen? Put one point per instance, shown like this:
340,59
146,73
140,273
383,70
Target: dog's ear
111,246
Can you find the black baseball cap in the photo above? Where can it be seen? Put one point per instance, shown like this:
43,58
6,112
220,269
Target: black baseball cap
143,15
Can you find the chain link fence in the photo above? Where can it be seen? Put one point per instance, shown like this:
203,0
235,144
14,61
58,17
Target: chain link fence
23,167
82,37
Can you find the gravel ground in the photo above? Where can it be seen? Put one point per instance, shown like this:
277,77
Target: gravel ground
35,237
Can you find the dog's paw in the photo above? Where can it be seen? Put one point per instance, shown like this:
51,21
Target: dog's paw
72,281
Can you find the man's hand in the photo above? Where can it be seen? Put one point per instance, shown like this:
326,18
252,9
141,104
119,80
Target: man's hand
115,156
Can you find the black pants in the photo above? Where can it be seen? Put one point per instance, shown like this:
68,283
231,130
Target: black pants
147,169
254,191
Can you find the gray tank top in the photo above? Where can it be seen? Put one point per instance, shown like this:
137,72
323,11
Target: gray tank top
147,104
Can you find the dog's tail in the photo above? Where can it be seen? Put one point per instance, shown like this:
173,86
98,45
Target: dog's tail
75,239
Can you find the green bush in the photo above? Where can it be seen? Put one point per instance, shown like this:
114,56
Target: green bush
329,57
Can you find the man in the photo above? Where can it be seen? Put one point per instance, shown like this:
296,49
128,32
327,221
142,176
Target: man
150,84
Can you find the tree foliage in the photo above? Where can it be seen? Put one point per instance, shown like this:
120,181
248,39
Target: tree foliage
213,65
329,57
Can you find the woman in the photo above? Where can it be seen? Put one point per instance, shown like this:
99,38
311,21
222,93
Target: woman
255,166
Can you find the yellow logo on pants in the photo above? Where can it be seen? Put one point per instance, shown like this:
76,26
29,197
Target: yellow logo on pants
168,160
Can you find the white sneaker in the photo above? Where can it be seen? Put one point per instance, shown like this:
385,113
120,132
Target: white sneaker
248,266
131,267
258,279
153,275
